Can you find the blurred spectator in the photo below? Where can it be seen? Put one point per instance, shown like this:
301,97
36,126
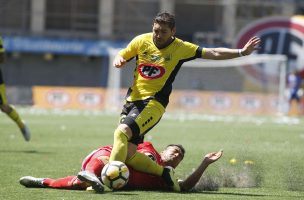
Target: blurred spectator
295,93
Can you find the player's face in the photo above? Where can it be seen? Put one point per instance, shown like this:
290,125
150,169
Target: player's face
171,156
162,35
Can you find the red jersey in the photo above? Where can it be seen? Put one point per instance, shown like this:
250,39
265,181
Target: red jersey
137,180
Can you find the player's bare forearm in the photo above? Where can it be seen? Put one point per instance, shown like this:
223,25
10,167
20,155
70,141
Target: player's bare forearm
194,177
220,53
226,53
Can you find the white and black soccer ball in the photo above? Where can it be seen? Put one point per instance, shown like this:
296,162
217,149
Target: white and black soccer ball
115,175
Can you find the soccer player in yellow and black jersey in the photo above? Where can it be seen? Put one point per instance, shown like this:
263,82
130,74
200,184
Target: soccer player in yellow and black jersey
5,107
159,56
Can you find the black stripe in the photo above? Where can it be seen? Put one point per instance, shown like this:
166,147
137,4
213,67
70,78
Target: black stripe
130,59
1,78
128,93
130,90
162,96
1,82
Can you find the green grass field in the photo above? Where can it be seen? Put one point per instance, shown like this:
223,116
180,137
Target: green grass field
60,140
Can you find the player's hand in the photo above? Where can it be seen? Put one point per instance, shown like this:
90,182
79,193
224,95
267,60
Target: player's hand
251,45
119,61
212,157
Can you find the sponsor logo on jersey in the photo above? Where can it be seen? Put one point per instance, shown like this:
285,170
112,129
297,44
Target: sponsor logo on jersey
279,35
155,58
151,71
168,58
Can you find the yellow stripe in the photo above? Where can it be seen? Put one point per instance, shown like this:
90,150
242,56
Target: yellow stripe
3,94
203,52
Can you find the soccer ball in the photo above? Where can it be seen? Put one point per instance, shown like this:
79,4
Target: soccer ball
115,174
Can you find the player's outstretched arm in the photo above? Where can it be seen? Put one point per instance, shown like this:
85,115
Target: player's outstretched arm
195,176
226,53
119,61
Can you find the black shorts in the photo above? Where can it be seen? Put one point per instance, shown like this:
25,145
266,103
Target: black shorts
141,116
1,78
3,99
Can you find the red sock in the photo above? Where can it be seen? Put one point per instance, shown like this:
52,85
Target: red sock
95,166
70,182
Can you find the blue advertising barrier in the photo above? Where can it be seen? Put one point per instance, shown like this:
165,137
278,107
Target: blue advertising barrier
59,45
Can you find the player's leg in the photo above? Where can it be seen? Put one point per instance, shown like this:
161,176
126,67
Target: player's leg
140,117
69,182
91,169
12,113
91,179
148,117
137,117
122,134
145,120
293,104
96,165
120,144
31,182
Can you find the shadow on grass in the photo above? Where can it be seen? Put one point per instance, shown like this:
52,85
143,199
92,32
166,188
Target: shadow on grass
197,192
123,193
234,194
247,194
26,152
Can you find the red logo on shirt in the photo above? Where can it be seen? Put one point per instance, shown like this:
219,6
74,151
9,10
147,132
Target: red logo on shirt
150,71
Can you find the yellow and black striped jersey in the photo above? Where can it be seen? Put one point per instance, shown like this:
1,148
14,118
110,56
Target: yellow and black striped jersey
156,68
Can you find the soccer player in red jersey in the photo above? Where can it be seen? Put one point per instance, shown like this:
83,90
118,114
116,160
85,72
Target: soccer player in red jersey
172,155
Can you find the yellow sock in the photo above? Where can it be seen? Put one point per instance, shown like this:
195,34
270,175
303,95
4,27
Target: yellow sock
15,116
120,146
143,163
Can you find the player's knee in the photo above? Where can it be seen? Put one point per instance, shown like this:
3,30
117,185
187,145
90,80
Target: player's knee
124,129
5,108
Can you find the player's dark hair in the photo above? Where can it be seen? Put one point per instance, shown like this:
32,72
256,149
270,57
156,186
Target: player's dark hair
182,149
165,18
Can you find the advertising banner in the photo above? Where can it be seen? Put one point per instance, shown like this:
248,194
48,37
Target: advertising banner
69,97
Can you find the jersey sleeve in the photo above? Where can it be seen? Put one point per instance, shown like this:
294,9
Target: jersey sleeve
131,50
191,51
2,50
148,149
203,52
